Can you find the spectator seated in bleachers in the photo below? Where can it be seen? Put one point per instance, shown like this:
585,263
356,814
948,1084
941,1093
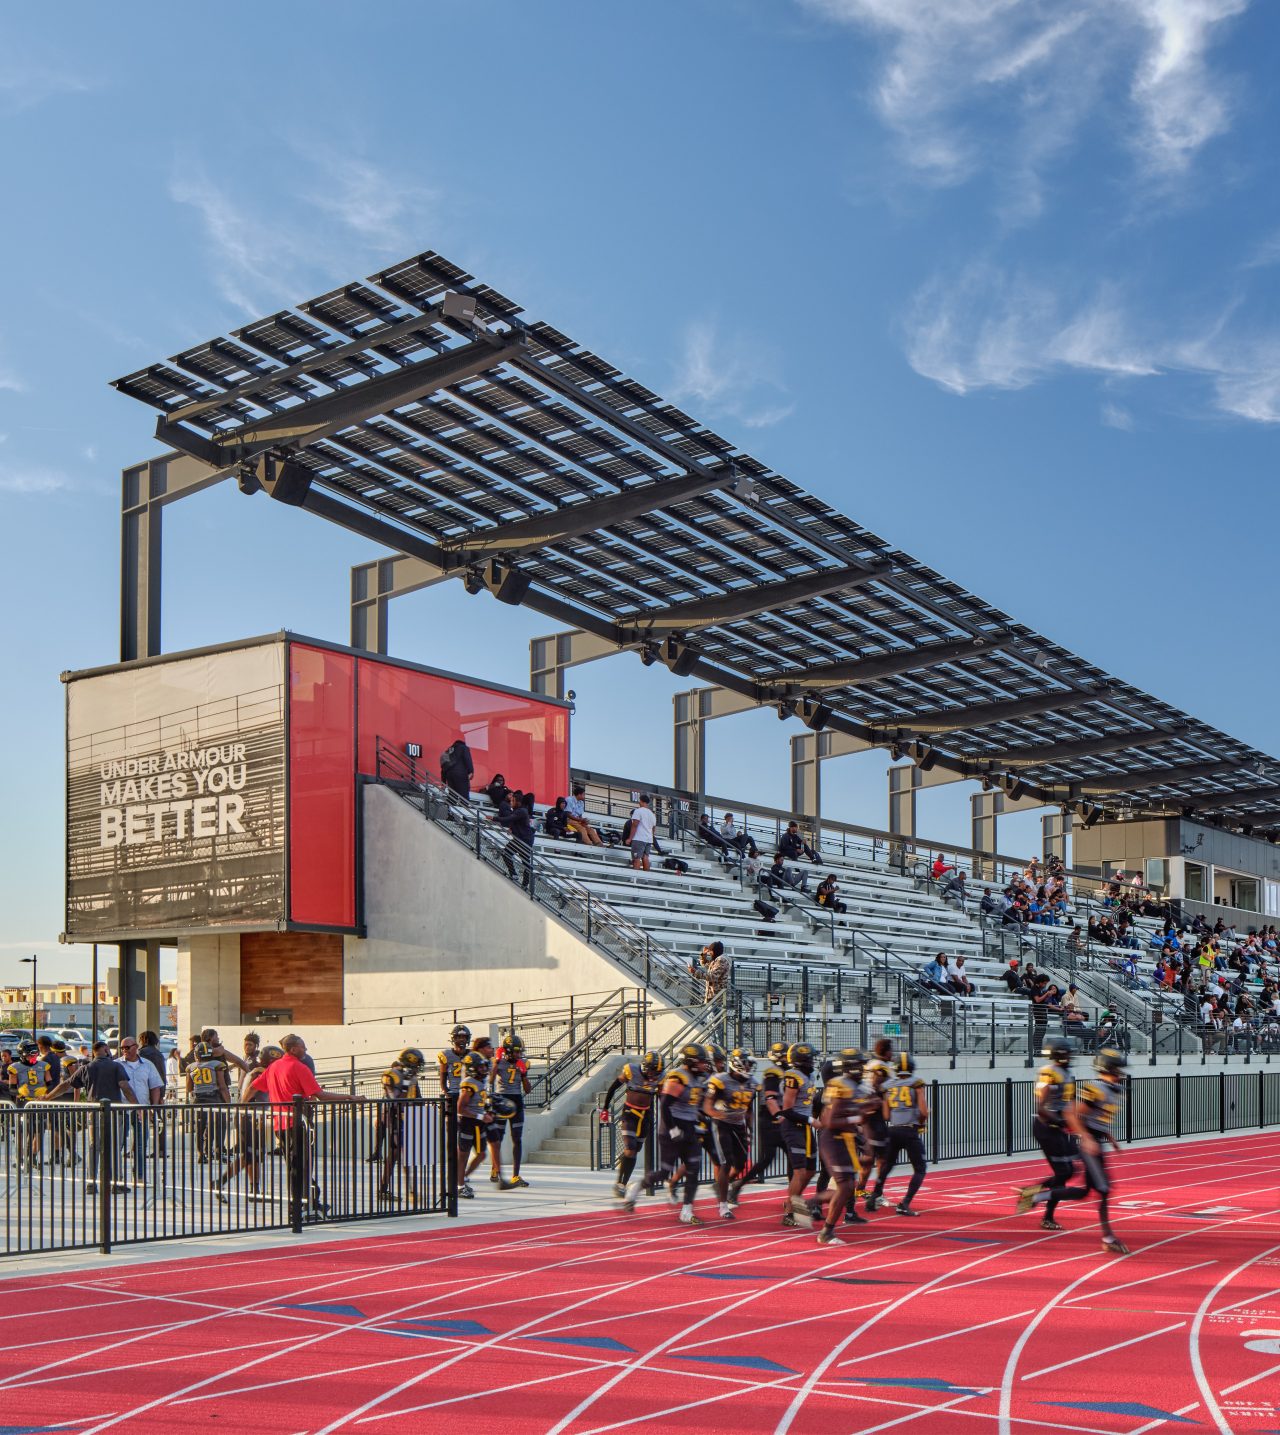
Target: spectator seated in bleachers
707,834
940,868
1073,1017
935,977
556,822
740,841
793,846
497,789
953,890
960,983
780,877
1012,978
826,894
990,905
576,812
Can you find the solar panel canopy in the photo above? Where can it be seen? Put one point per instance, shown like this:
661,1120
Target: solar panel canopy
425,410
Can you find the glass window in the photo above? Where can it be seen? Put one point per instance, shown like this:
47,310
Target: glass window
1193,882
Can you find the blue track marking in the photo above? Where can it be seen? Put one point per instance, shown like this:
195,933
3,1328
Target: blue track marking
1122,1407
746,1362
914,1382
592,1342
320,1308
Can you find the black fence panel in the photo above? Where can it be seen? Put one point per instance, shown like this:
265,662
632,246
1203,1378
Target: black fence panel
972,1119
86,1175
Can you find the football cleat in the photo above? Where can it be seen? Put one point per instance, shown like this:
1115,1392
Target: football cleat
1114,1246
905,1210
690,1217
827,1237
852,1218
1026,1199
1049,1224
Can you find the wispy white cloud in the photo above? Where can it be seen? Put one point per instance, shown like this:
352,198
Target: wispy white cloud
1007,85
732,377
29,481
346,212
25,85
9,380
985,328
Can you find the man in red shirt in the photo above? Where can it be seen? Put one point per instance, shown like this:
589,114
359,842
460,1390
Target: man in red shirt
281,1082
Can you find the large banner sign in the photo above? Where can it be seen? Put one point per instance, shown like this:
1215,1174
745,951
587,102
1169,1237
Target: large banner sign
176,795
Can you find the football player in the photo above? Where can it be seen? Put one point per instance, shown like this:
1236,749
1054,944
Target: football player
639,1082
1055,1096
727,1105
798,1092
906,1110
837,1138
510,1078
769,1109
473,1119
1092,1122
449,1061
680,1125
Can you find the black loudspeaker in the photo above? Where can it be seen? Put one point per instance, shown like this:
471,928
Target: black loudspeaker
680,659
509,585
285,481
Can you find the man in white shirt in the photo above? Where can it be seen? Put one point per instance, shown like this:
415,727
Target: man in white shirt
148,1091
643,825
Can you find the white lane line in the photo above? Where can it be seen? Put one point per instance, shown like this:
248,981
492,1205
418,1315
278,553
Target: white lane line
1106,1350
627,1253
934,1338
1127,1285
316,1288
1006,1383
1197,1363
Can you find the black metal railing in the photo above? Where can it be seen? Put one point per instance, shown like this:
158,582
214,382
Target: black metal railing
83,1174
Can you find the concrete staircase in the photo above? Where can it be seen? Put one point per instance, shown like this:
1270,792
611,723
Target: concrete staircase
571,1143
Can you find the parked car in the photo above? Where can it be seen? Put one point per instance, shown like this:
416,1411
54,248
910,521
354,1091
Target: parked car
73,1036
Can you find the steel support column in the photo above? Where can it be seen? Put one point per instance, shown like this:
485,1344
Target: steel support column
549,657
1055,828
904,783
986,807
691,712
139,987
373,585
809,750
145,490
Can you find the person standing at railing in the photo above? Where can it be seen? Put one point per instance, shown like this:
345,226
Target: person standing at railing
282,1081
457,768
714,969
148,1090
644,826
103,1079
516,815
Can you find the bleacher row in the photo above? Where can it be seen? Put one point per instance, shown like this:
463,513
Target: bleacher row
867,958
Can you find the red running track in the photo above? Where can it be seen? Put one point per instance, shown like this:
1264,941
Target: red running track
967,1319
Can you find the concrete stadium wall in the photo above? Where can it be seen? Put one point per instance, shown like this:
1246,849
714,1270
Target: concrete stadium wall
444,933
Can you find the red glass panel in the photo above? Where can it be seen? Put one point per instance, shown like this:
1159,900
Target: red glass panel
521,737
322,821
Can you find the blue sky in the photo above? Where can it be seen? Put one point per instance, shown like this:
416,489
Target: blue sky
998,277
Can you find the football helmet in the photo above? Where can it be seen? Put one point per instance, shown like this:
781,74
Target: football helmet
1110,1061
1059,1051
778,1052
695,1056
411,1059
476,1065
802,1056
741,1063
718,1056
651,1064
851,1061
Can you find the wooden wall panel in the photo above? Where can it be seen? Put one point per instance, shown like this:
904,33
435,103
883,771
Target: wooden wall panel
301,971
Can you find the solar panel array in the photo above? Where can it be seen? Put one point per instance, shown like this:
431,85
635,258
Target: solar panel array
552,425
